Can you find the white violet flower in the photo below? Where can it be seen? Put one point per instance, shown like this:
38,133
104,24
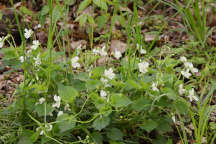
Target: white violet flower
21,59
67,107
103,94
143,66
117,54
74,62
109,73
154,86
60,113
103,51
192,96
181,89
35,45
186,73
41,100
37,60
57,99
183,59
1,42
142,51
28,33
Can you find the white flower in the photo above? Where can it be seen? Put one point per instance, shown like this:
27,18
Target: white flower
186,73
41,100
194,70
37,60
67,107
188,65
183,59
142,51
37,26
154,86
60,113
109,73
48,127
57,99
35,45
143,66
74,62
103,94
181,89
95,51
103,51
21,59
192,96
173,118
28,33
1,42
117,54
105,82
40,129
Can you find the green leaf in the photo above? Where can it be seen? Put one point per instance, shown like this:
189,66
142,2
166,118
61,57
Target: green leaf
171,94
26,11
67,93
131,84
83,5
42,111
101,122
25,138
45,10
83,76
120,100
101,3
141,104
96,72
114,134
66,122
164,125
97,137
70,2
149,125
91,20
102,20
181,107
82,19
57,13
93,84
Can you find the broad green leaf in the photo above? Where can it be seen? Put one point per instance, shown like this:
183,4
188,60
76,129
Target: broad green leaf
101,122
93,84
181,107
26,11
101,3
164,125
57,13
78,85
96,72
102,20
114,134
97,137
82,19
66,122
141,104
131,84
171,94
42,111
149,125
83,5
67,93
83,76
45,10
26,138
70,2
120,100
91,20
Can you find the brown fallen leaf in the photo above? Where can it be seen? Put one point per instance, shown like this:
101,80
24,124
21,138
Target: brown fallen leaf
117,45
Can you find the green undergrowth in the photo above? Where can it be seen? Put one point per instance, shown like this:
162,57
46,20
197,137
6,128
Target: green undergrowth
146,94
